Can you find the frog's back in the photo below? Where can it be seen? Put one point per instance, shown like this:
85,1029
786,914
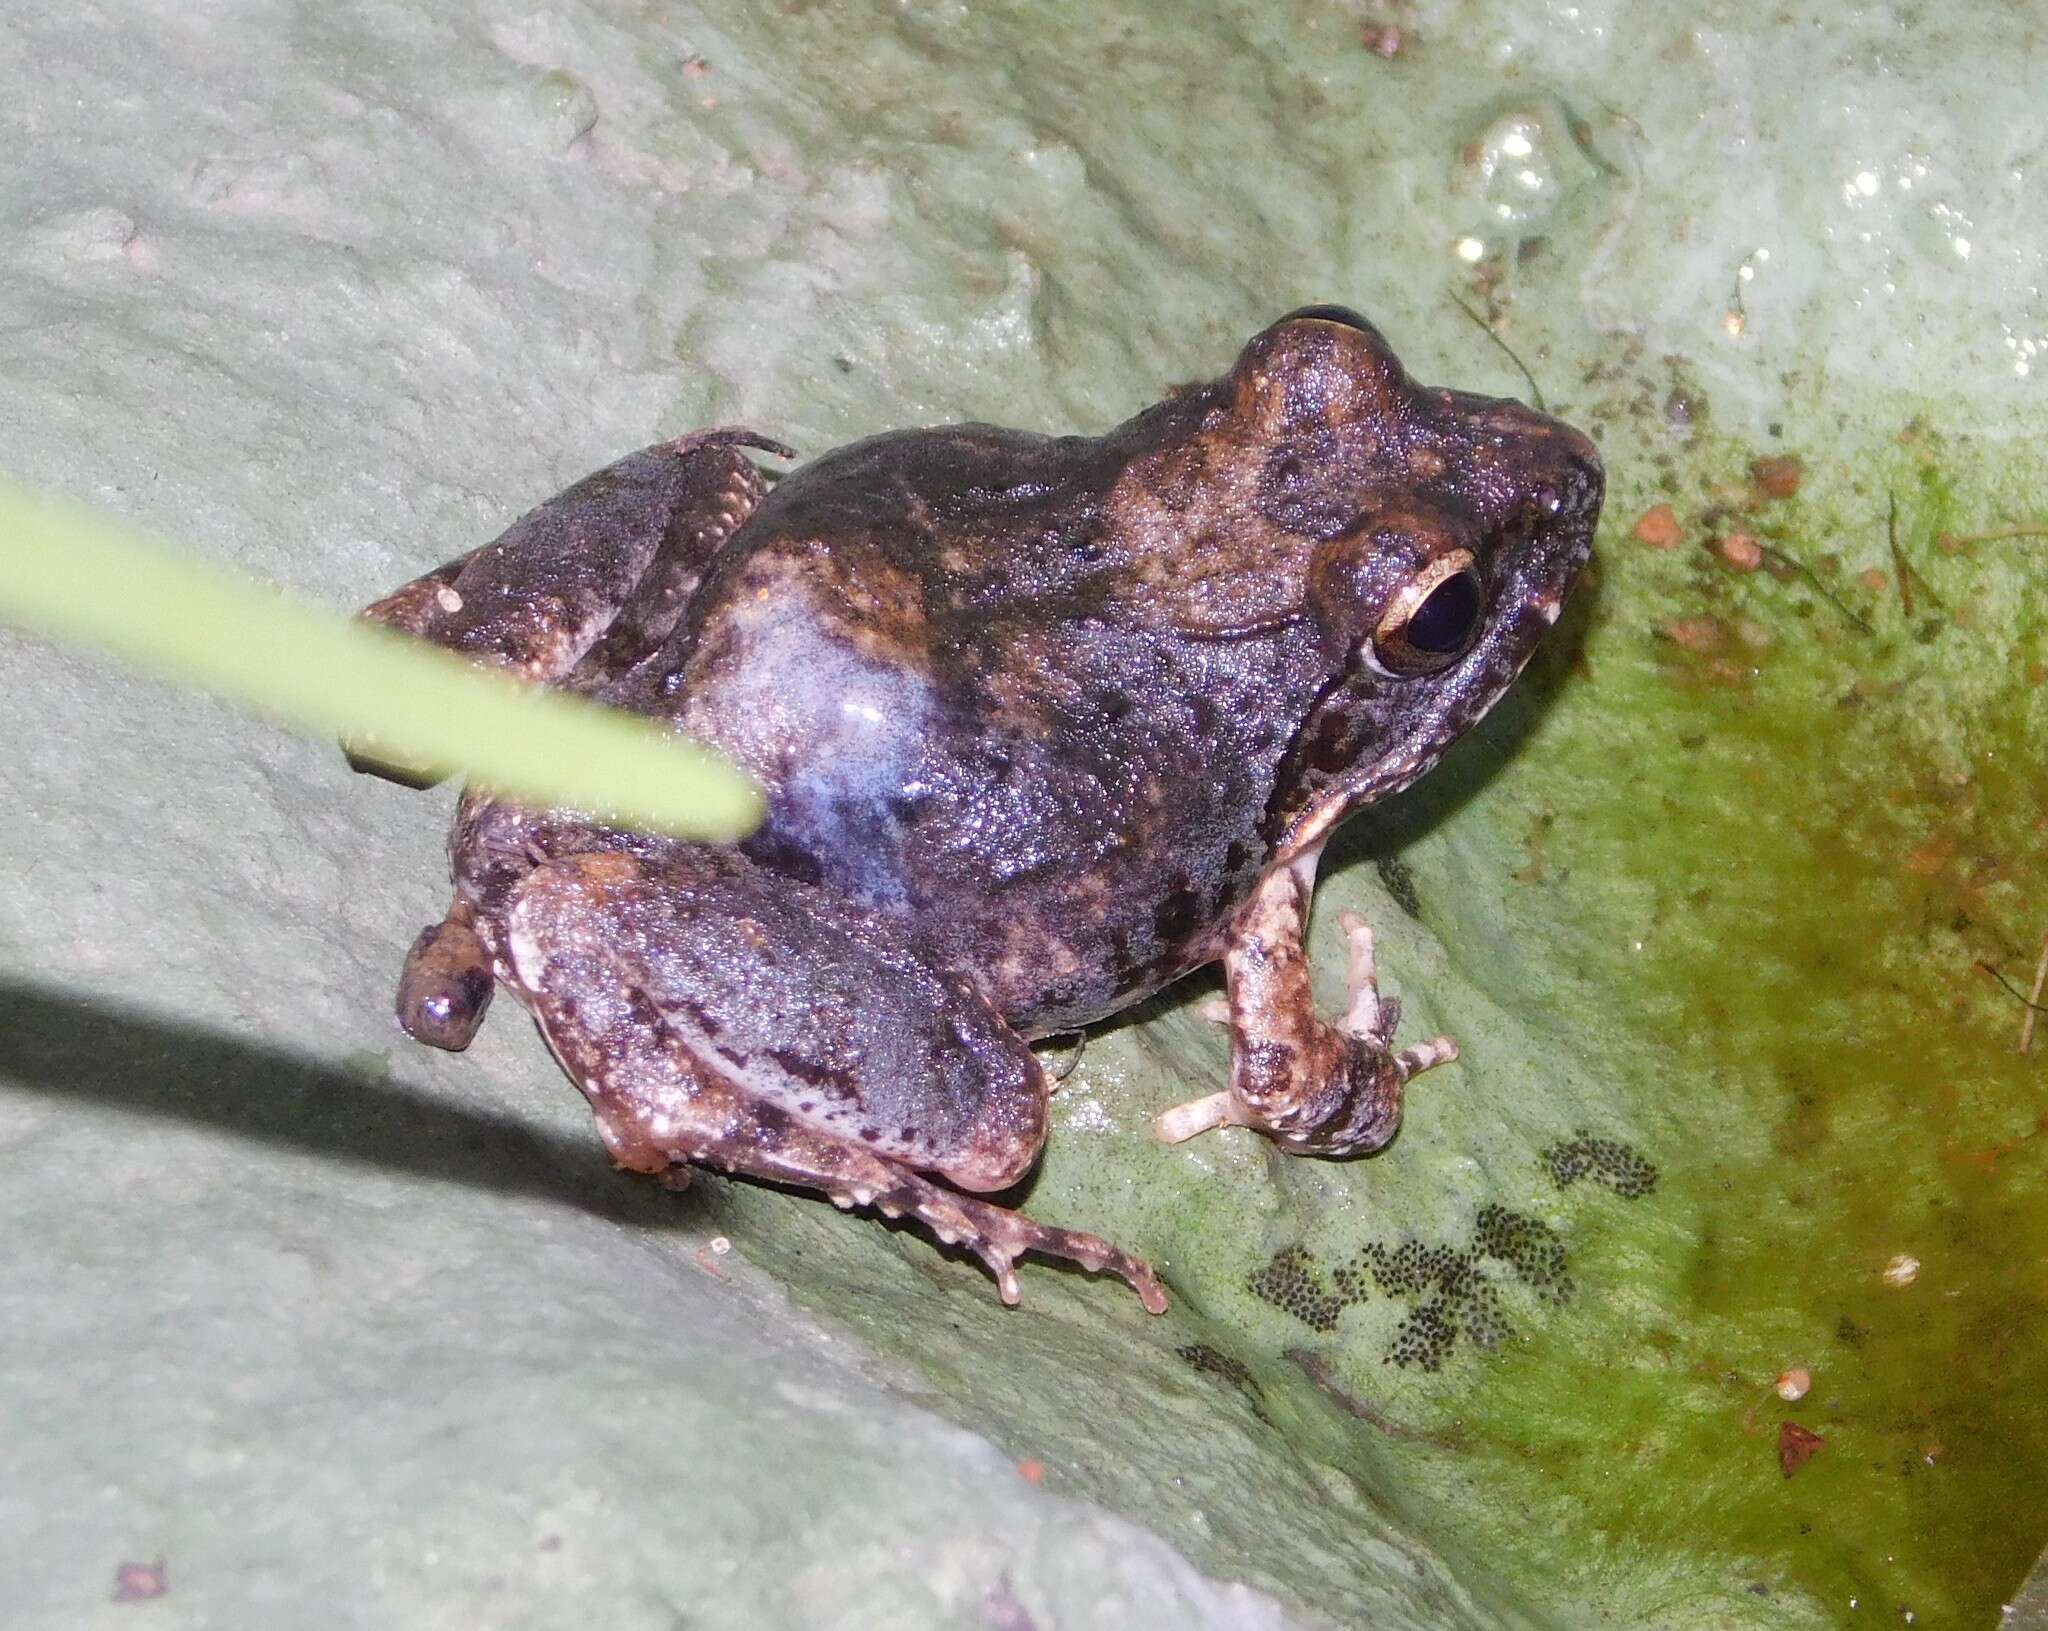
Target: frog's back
981,517
921,646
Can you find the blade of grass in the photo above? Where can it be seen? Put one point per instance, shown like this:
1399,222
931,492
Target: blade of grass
71,574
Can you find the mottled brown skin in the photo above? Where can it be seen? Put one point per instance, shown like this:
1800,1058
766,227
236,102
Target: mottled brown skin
1044,724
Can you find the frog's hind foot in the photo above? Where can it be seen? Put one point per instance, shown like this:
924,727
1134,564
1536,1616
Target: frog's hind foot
717,1125
999,1237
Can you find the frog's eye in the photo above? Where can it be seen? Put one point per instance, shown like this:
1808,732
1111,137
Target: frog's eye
1432,619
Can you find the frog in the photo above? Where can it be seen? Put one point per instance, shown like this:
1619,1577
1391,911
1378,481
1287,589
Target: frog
1042,724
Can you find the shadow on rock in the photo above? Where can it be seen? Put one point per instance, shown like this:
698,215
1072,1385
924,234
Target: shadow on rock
68,1046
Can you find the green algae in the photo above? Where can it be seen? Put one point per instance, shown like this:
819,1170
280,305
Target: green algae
1840,829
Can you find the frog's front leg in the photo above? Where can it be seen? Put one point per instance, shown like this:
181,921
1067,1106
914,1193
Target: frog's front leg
716,1013
588,582
1313,1087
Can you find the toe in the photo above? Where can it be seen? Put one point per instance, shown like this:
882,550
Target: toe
1184,1121
1438,1050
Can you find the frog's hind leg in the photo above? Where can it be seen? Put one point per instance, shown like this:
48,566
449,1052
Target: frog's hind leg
572,593
582,586
716,1013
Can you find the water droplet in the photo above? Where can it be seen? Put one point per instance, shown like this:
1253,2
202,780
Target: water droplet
563,107
1515,166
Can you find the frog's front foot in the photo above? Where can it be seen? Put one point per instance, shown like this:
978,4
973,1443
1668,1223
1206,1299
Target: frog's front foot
1313,1087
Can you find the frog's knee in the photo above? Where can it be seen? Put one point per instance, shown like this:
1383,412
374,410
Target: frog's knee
1002,1144
985,1171
446,987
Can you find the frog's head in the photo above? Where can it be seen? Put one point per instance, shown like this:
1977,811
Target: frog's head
1443,533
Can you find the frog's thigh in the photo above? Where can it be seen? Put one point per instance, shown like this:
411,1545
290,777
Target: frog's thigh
717,1013
608,563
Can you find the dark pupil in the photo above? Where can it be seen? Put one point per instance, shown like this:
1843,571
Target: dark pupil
1442,623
